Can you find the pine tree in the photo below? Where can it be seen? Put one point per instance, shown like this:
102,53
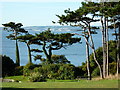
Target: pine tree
16,29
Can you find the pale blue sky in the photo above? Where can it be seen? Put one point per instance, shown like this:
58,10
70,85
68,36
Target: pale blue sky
35,13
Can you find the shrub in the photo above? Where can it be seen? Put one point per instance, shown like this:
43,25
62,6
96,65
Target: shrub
55,71
36,77
41,70
8,66
66,71
112,68
18,70
96,72
28,68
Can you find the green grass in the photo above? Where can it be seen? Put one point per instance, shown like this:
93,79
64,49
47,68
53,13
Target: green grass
60,83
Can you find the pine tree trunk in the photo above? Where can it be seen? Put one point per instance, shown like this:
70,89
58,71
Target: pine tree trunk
105,50
29,54
17,55
17,51
50,54
103,46
94,53
107,39
45,52
118,51
87,58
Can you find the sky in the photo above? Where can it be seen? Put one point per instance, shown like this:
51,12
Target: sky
35,12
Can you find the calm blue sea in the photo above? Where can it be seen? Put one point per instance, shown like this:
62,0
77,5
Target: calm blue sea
75,53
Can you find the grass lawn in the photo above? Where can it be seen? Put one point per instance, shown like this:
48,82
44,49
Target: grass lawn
60,83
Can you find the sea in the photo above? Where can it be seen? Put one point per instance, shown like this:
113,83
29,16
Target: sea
75,53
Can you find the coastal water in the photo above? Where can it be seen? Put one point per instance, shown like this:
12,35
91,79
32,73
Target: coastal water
75,53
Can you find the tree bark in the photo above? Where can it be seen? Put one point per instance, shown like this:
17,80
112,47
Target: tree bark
50,54
103,46
94,53
29,54
105,50
118,51
87,58
107,39
17,55
17,51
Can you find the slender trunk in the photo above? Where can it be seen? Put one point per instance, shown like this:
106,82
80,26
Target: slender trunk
17,51
29,54
45,52
94,53
107,39
118,51
87,58
50,54
117,45
105,50
103,46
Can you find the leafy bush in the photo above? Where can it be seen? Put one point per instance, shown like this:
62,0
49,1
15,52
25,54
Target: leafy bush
28,68
41,70
53,71
66,71
8,66
96,72
36,77
113,68
18,70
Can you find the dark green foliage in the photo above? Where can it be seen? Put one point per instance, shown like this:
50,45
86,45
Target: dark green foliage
113,68
8,66
59,59
52,71
66,71
28,68
96,72
56,59
18,70
50,42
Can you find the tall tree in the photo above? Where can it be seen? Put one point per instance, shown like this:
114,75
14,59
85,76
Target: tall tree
27,39
50,41
110,10
80,17
16,29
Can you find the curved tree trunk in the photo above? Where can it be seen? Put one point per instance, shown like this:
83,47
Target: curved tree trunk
87,58
94,53
17,51
29,54
50,54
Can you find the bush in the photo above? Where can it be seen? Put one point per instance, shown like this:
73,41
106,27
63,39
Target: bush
28,68
41,70
8,66
54,71
96,72
113,68
36,77
18,70
66,71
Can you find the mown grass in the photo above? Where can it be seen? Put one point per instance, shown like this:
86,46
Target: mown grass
60,83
